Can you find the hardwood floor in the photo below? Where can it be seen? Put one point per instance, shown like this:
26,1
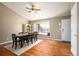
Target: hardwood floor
5,52
44,48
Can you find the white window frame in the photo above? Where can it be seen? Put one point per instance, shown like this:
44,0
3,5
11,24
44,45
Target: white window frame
36,27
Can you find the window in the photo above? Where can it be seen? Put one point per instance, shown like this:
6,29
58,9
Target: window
42,28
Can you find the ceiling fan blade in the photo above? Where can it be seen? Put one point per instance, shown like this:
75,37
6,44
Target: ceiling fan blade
28,8
29,11
37,9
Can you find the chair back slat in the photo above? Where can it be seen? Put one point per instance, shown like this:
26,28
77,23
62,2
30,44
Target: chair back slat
13,37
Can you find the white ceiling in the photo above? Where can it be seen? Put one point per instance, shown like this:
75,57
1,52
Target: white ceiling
48,9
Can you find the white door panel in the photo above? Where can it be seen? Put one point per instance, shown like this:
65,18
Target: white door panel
65,30
74,43
74,30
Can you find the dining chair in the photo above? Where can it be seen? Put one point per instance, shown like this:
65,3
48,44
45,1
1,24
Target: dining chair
35,36
25,39
30,37
16,41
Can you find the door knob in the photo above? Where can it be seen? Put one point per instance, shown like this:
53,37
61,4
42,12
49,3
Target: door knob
75,35
62,29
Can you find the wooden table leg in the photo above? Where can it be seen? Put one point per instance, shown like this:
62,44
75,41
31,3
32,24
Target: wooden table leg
21,43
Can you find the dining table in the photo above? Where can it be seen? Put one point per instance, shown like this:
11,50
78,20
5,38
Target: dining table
21,36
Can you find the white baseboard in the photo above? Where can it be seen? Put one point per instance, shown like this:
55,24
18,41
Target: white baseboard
5,42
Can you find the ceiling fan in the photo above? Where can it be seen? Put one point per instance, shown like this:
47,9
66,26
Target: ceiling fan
32,8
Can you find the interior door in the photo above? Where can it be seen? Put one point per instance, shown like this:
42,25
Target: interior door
65,30
74,30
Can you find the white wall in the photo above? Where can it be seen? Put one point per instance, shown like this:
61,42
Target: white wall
10,22
54,26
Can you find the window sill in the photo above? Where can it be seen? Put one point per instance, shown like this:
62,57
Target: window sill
42,34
